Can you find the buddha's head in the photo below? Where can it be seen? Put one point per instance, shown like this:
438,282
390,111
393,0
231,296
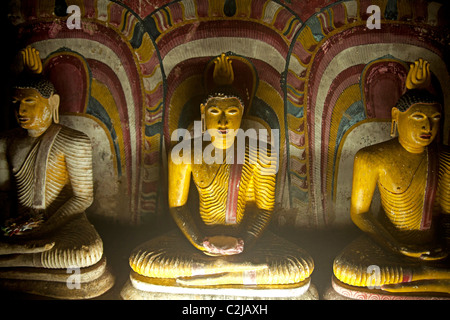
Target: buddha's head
416,116
35,104
221,116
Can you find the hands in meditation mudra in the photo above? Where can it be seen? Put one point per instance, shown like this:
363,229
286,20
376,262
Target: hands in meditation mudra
223,241
407,243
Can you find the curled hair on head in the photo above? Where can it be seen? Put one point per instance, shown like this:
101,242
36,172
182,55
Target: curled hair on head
414,96
224,92
37,82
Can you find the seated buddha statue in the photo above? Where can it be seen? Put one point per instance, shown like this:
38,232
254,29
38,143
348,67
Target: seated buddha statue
47,184
222,240
405,248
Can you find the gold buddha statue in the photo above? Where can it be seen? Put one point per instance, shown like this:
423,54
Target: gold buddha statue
405,249
47,245
222,242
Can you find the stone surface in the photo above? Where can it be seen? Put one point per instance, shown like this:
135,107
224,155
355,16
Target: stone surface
94,281
173,292
341,291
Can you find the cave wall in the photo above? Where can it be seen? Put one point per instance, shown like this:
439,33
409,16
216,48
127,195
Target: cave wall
131,73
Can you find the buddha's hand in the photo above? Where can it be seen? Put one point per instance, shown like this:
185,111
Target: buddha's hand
419,75
223,245
24,224
436,253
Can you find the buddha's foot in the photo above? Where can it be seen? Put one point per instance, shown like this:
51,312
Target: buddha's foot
243,277
441,286
272,261
71,283
221,266
8,248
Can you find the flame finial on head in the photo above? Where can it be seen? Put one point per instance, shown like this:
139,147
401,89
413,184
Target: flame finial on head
223,74
419,76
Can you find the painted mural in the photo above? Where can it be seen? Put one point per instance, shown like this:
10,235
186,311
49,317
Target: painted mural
132,73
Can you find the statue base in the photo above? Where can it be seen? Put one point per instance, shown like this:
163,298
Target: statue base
144,288
83,283
342,291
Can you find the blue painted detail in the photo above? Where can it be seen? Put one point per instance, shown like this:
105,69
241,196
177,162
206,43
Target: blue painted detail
150,27
297,112
296,192
138,34
151,130
316,28
354,114
96,110
263,111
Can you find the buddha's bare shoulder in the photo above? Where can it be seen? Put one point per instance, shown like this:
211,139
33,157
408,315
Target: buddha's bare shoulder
379,152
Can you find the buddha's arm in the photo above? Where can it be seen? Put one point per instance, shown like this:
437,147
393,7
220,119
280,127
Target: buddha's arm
4,169
77,152
365,177
264,177
179,182
4,181
444,194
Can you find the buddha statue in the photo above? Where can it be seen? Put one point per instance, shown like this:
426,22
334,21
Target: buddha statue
47,245
222,241
404,251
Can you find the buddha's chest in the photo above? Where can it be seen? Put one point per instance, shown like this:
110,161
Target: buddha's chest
21,150
30,160
204,174
402,174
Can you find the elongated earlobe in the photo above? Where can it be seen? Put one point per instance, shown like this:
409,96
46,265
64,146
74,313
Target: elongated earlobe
55,115
202,117
393,128
203,123
394,123
54,104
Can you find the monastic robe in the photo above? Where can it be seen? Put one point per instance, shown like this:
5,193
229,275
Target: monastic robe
237,192
412,217
55,178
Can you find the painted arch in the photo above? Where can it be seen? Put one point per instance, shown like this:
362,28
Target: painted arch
134,67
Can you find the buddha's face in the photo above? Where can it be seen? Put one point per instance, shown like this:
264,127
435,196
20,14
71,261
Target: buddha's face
222,118
33,112
419,125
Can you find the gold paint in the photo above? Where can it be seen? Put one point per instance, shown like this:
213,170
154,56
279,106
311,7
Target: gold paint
146,50
306,38
101,93
34,112
399,167
31,59
419,75
223,71
213,253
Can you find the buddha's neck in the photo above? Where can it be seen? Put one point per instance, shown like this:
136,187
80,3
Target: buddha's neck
223,145
36,133
411,148
39,131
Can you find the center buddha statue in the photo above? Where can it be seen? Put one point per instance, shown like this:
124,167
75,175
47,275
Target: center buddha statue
404,251
222,242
